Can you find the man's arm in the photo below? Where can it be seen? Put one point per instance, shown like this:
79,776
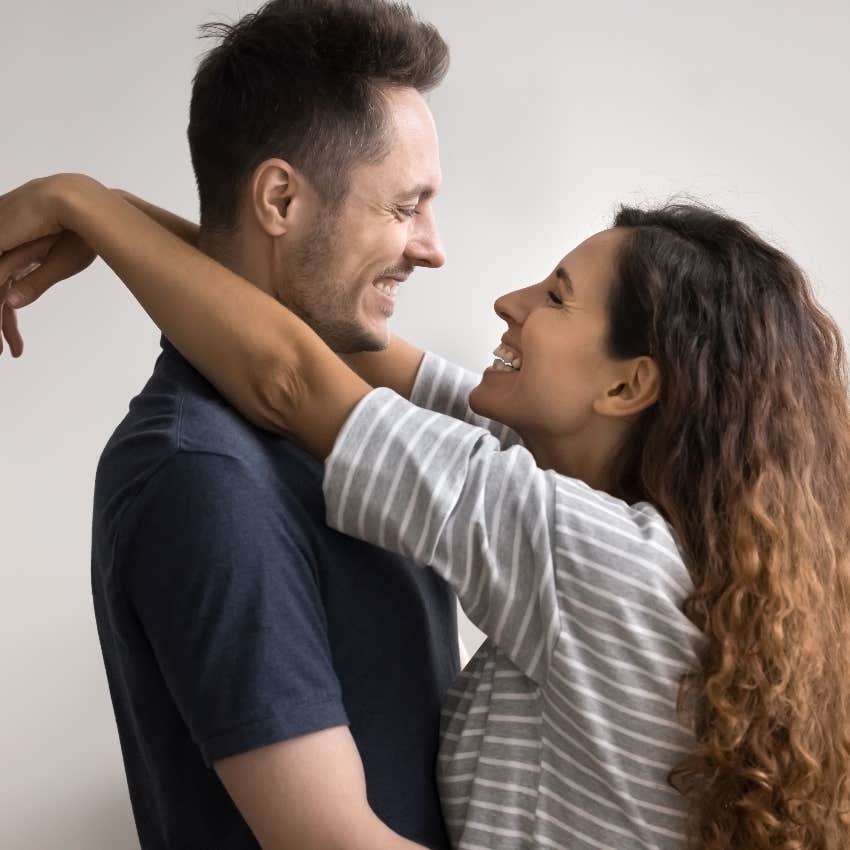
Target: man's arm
308,793
218,577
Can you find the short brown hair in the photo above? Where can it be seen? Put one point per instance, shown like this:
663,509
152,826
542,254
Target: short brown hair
301,80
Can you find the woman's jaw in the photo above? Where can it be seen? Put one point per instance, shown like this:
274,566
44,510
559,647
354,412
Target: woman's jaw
553,379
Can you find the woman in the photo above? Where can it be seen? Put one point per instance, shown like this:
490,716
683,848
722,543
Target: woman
656,538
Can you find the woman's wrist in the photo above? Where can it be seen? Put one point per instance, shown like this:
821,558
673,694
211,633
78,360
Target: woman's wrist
74,200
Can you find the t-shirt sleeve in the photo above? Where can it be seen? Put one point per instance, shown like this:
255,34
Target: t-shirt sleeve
445,493
444,387
228,598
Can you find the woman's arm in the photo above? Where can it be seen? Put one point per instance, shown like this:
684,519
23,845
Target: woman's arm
265,360
42,264
395,367
187,230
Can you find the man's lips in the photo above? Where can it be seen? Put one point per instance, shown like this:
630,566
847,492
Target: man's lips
387,286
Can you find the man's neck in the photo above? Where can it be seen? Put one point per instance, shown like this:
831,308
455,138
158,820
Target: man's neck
238,254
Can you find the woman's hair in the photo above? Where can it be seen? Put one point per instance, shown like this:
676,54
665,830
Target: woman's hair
747,454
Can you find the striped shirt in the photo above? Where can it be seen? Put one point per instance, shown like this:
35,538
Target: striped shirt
562,730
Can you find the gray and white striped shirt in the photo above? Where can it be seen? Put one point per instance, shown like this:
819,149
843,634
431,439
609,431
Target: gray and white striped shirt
561,731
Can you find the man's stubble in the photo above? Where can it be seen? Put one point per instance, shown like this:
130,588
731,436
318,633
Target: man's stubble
316,293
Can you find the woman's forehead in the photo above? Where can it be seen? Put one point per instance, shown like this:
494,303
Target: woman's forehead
588,271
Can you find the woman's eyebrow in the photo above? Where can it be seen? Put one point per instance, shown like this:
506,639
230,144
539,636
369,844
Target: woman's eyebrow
563,275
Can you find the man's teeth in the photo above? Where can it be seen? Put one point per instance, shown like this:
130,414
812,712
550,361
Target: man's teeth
509,357
387,288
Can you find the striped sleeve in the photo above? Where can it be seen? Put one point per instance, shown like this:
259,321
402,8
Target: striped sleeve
444,493
534,556
444,386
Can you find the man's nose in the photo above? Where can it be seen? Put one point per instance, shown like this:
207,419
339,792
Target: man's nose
425,247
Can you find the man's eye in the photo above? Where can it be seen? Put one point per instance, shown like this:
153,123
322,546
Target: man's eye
408,211
554,298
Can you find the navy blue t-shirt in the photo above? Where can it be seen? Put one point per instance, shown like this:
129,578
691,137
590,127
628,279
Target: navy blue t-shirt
231,617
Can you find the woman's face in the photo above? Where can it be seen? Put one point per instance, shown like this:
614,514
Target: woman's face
556,340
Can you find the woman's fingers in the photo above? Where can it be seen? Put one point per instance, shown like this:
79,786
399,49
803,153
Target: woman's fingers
21,261
17,266
58,258
10,331
29,213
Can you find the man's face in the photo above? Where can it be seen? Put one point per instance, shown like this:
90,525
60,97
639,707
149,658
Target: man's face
343,276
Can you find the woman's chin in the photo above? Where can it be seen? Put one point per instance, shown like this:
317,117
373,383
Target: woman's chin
482,402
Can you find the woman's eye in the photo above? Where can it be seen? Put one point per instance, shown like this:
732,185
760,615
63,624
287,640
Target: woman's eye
554,298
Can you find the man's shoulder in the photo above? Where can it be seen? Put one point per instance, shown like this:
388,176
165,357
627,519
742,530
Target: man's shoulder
183,427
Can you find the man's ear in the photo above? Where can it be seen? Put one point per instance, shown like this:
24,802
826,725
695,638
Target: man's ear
278,195
635,388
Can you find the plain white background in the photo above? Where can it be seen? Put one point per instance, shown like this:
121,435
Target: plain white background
553,113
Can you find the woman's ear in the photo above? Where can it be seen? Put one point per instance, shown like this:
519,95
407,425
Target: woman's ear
635,387
278,192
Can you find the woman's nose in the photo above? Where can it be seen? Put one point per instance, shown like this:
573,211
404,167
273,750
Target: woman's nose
513,307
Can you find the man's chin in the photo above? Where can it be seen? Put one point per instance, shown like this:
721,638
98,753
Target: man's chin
371,335
375,325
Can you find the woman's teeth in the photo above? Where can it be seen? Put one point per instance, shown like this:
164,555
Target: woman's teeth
508,359
387,288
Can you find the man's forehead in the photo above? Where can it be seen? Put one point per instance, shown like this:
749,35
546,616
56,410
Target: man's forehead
412,137
398,178
408,171
410,167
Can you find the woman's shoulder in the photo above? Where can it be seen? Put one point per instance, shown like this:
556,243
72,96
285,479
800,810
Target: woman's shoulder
631,542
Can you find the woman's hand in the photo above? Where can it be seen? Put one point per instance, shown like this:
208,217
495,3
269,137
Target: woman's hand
31,211
28,270
33,268
37,252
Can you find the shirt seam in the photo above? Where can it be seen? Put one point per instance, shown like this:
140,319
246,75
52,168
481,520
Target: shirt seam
329,700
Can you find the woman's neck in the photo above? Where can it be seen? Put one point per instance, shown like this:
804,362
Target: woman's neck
586,456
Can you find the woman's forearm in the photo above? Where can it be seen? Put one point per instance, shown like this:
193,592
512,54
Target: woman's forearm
268,363
395,367
187,230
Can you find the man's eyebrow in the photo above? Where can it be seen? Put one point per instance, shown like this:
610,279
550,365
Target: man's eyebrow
562,275
423,191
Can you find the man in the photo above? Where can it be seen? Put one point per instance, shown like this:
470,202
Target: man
239,633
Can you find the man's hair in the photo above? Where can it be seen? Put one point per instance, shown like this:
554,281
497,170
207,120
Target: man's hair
302,80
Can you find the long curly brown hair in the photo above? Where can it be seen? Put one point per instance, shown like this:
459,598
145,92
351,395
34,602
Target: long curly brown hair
747,454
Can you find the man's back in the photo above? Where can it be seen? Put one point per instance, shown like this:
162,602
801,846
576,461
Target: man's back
232,618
